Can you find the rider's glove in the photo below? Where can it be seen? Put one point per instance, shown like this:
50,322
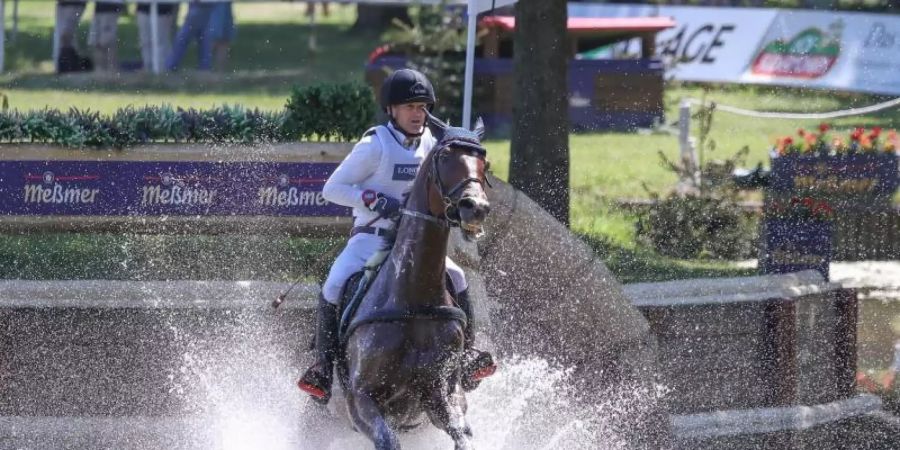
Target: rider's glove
384,205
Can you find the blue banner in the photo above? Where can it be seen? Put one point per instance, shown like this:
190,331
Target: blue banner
159,188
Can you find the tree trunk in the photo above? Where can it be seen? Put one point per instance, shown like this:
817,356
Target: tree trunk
378,17
539,160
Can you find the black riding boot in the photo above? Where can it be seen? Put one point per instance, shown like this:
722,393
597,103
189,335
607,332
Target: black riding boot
477,364
316,381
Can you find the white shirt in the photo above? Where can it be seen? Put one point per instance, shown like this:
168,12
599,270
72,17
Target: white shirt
378,162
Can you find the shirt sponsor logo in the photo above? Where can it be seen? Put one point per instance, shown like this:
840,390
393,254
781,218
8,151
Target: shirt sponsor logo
405,172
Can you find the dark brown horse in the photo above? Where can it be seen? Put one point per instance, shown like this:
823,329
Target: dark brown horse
404,346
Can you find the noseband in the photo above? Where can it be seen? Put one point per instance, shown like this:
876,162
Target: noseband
452,196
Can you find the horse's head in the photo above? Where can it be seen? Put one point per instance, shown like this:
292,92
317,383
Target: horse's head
456,168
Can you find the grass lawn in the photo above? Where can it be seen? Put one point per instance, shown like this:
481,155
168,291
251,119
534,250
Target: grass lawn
270,55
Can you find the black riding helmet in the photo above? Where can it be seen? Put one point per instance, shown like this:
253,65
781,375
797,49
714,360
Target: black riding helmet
406,86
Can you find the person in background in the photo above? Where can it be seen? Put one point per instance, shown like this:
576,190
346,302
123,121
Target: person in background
194,28
68,58
311,9
166,26
220,32
888,379
103,37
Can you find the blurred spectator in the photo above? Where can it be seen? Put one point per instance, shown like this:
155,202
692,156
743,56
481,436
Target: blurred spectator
311,9
221,32
68,59
194,28
166,25
888,379
103,36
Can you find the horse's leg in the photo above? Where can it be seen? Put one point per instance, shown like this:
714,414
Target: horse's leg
370,421
446,407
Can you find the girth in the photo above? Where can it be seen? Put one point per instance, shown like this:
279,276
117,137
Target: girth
388,234
427,313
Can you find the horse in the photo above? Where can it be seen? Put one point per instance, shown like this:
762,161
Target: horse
403,347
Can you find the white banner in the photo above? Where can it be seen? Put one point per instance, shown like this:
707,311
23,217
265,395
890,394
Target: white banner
832,50
848,51
707,44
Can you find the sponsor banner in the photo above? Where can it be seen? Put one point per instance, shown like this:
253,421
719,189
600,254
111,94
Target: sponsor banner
848,51
830,50
706,44
127,188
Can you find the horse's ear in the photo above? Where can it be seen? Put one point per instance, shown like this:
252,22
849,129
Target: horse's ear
479,128
437,127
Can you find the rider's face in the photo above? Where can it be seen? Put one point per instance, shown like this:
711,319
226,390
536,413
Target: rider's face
410,116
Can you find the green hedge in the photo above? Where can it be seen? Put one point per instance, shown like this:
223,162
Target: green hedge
342,111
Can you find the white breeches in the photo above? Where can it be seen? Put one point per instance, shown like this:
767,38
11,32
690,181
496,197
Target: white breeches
353,258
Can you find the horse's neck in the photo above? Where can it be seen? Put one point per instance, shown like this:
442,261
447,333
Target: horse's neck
419,255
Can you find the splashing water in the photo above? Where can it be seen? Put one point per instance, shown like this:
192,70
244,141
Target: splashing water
526,405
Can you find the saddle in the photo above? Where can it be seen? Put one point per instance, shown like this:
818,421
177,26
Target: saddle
355,290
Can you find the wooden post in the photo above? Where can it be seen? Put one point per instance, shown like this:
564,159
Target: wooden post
782,332
648,45
846,306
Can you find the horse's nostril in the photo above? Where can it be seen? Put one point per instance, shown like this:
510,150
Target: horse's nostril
467,203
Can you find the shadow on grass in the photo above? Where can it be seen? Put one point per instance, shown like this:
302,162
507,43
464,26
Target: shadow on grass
150,257
641,265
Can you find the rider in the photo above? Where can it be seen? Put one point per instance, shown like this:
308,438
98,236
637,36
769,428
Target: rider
372,179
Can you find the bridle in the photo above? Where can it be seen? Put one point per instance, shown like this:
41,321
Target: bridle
452,196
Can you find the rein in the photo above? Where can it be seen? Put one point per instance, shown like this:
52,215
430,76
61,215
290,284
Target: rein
450,203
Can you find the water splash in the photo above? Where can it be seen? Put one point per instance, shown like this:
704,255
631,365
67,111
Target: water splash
528,405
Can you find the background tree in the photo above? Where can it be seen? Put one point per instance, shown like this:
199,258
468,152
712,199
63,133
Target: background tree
377,18
539,160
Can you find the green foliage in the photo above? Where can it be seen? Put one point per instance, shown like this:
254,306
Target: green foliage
434,45
131,126
325,111
693,226
343,111
703,218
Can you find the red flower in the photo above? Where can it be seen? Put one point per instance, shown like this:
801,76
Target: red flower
857,133
788,140
875,132
823,127
801,132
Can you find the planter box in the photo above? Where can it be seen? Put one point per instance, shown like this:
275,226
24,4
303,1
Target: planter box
853,182
796,245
